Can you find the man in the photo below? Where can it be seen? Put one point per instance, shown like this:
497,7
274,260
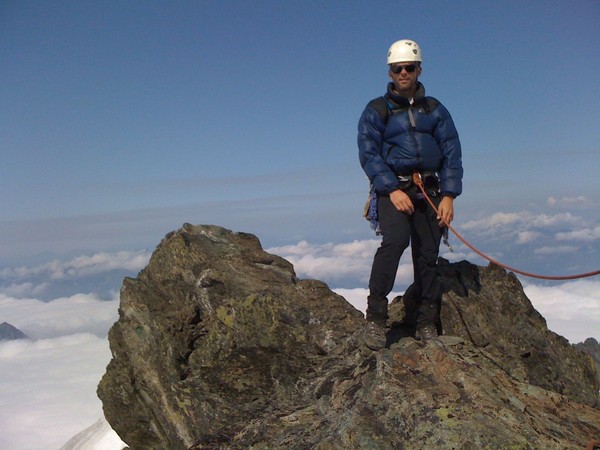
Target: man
410,133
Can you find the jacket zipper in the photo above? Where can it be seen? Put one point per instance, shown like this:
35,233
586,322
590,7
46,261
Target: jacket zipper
413,125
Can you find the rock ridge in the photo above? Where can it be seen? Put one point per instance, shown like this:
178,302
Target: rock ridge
220,346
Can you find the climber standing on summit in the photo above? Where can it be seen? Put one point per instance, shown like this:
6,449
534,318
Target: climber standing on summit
400,134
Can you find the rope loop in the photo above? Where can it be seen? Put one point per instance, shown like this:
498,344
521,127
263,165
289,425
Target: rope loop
418,181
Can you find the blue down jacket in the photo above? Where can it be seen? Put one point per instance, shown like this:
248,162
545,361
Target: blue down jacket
421,136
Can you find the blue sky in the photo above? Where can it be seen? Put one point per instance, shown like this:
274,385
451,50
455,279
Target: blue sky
120,121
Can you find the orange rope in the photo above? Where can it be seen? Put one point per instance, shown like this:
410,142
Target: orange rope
593,445
419,182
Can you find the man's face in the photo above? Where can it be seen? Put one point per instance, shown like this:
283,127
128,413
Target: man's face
405,75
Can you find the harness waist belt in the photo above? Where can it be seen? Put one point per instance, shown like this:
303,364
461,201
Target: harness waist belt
428,174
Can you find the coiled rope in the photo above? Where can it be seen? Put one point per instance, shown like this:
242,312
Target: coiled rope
418,181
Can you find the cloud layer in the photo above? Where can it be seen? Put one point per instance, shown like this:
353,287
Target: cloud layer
100,273
80,313
81,266
48,384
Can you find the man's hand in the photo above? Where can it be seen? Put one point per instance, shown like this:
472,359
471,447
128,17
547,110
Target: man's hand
446,211
402,202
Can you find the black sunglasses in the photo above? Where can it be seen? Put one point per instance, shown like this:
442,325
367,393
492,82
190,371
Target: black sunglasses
397,68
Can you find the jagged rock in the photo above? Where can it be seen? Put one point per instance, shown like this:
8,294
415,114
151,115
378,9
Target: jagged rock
219,345
489,308
9,332
592,348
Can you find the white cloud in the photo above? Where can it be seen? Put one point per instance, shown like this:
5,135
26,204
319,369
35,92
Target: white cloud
545,220
82,266
48,389
48,384
103,262
567,201
528,235
571,309
495,220
555,250
525,237
81,313
333,262
584,235
515,221
355,248
358,297
27,289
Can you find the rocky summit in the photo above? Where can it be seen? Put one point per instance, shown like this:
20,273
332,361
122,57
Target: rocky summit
220,346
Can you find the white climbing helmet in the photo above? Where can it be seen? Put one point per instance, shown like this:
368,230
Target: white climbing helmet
404,51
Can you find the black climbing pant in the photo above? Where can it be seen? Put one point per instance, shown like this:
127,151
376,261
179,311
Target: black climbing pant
422,231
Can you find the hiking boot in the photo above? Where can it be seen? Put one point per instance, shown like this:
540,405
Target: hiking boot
427,333
374,336
377,309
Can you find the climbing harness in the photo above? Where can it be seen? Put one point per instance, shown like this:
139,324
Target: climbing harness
418,181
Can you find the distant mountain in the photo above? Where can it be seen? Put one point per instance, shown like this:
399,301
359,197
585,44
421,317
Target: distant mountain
99,436
9,332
